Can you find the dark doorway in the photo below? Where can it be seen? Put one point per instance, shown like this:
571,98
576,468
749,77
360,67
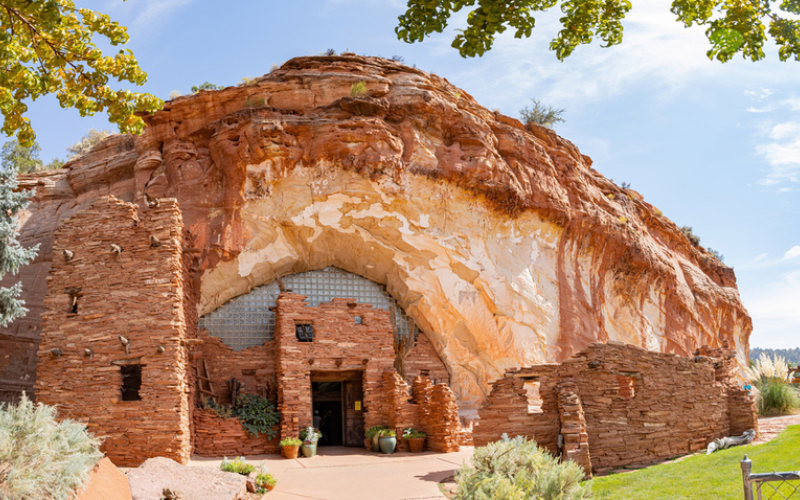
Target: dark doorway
337,406
327,411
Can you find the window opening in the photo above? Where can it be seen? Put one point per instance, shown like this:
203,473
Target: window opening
532,394
357,319
626,389
247,321
131,382
304,332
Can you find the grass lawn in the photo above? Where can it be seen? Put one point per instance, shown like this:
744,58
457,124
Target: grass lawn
712,477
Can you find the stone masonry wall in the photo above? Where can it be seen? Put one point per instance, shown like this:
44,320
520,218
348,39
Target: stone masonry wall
507,409
424,361
427,407
100,295
253,367
217,437
573,426
639,406
339,344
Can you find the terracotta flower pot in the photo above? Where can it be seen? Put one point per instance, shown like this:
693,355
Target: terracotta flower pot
269,487
415,444
290,451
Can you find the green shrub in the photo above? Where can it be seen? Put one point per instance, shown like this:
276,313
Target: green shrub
205,86
358,88
41,459
257,414
238,466
776,397
517,469
546,116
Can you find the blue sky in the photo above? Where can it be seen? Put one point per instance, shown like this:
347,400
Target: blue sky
715,147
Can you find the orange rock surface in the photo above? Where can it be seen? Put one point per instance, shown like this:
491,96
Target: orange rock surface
106,482
498,238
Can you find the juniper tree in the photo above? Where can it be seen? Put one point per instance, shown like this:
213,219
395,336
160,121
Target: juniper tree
12,254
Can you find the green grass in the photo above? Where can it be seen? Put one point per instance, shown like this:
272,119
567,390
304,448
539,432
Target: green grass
704,477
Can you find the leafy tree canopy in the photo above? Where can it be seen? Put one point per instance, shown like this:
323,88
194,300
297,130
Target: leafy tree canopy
732,26
25,159
46,46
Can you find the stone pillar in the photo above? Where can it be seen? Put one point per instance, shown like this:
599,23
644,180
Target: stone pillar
573,427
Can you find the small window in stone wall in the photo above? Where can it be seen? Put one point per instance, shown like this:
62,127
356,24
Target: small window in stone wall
534,398
357,319
626,389
304,332
131,382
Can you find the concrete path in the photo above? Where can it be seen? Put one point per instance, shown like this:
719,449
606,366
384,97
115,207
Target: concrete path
770,427
338,473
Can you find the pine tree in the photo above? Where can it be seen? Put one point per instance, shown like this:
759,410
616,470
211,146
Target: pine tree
12,254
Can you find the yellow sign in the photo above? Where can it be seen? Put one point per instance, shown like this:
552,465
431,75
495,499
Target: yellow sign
358,405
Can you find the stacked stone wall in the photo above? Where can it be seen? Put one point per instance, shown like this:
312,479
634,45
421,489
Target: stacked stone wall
639,407
423,360
573,427
121,281
253,367
340,344
507,409
217,437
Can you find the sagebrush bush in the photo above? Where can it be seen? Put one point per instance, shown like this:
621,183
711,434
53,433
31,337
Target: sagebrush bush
41,459
237,465
517,469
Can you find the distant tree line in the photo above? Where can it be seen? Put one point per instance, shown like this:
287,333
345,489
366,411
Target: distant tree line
792,356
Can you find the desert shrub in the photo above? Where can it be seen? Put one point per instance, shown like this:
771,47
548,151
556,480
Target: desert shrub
264,479
292,441
205,86
517,469
715,254
687,231
358,88
87,142
546,116
237,465
330,52
41,459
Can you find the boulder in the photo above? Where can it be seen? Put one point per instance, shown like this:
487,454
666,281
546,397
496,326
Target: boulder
148,481
106,482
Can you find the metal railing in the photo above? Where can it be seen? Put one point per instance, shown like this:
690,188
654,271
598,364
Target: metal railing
769,485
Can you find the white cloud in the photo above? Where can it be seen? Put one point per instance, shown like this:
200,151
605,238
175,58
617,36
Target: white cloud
759,94
775,312
782,153
760,257
792,252
792,103
762,110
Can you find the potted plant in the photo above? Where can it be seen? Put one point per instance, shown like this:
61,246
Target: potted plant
265,481
310,436
373,433
415,438
387,441
290,447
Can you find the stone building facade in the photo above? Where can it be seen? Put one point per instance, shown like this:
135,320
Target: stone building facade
121,350
617,404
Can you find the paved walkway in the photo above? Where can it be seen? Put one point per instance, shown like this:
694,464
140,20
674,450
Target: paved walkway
770,427
338,473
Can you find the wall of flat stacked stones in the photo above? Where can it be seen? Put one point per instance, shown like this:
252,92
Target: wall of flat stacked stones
253,367
429,408
505,410
137,293
676,405
218,437
339,344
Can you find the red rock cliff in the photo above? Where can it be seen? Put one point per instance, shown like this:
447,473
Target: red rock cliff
499,239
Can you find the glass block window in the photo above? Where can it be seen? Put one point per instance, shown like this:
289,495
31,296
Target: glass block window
246,320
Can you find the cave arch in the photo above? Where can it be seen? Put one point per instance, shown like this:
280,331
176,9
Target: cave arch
248,320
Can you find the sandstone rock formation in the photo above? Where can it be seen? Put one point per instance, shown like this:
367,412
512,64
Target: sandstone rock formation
500,240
